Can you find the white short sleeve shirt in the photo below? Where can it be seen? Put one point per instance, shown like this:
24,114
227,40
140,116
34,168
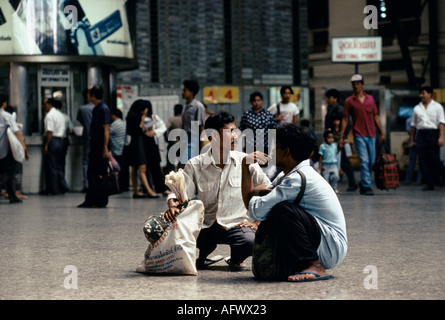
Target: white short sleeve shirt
55,122
428,118
220,189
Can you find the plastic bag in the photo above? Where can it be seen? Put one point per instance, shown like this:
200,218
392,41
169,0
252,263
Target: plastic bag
18,152
172,246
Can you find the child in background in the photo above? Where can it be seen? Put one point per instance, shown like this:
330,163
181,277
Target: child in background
335,129
328,163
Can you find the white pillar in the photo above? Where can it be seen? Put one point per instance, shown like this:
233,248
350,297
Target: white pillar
18,96
94,75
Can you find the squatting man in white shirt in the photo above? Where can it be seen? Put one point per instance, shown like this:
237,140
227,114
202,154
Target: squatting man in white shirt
215,177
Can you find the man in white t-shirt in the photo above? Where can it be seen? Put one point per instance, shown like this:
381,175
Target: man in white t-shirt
55,129
285,111
427,129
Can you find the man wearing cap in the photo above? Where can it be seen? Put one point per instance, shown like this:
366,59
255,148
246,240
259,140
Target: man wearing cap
362,108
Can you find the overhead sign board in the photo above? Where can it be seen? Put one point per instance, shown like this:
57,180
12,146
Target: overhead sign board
356,49
54,76
214,95
62,27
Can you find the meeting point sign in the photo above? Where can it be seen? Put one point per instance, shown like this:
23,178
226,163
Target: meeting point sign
356,49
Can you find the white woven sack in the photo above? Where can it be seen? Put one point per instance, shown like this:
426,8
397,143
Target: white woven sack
175,251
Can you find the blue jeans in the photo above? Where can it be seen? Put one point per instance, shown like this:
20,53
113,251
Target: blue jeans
366,152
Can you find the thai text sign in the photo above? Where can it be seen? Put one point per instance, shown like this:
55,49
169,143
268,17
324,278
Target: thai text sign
356,49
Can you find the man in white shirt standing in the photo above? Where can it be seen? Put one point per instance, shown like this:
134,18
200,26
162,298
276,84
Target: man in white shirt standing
55,128
215,176
285,111
428,120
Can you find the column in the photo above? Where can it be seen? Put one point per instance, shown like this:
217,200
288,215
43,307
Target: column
94,75
18,77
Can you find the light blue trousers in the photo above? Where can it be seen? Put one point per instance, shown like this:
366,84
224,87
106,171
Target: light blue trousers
367,152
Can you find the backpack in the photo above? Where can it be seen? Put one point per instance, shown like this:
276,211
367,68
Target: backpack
278,110
266,247
386,171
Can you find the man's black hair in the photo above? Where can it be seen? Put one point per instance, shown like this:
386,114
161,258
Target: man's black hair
427,89
192,86
53,102
298,139
57,104
116,112
218,120
284,88
3,99
97,91
178,109
333,93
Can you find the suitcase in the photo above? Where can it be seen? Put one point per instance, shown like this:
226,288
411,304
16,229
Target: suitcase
386,171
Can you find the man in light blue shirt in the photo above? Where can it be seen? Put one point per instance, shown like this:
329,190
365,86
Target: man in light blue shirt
314,239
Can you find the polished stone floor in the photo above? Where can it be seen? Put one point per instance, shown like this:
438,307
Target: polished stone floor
396,241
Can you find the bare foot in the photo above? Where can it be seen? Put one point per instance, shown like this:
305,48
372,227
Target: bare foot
315,267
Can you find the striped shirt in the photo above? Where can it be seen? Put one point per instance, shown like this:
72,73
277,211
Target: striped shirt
118,135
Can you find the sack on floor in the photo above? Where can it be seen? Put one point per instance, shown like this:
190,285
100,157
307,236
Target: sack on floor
172,246
175,250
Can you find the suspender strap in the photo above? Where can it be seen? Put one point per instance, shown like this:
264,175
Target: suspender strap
302,189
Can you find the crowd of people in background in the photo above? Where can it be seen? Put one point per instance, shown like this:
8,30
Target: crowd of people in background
133,141
291,201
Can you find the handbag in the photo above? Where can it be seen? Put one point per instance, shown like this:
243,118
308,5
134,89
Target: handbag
278,111
266,247
112,181
386,170
18,152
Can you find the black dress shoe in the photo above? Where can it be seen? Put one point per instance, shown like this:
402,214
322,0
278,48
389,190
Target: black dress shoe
427,188
85,205
367,192
139,196
15,200
152,197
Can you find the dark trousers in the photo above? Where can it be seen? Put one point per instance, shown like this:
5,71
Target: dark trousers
346,166
429,157
297,236
239,239
124,175
97,194
85,156
7,176
54,167
154,171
